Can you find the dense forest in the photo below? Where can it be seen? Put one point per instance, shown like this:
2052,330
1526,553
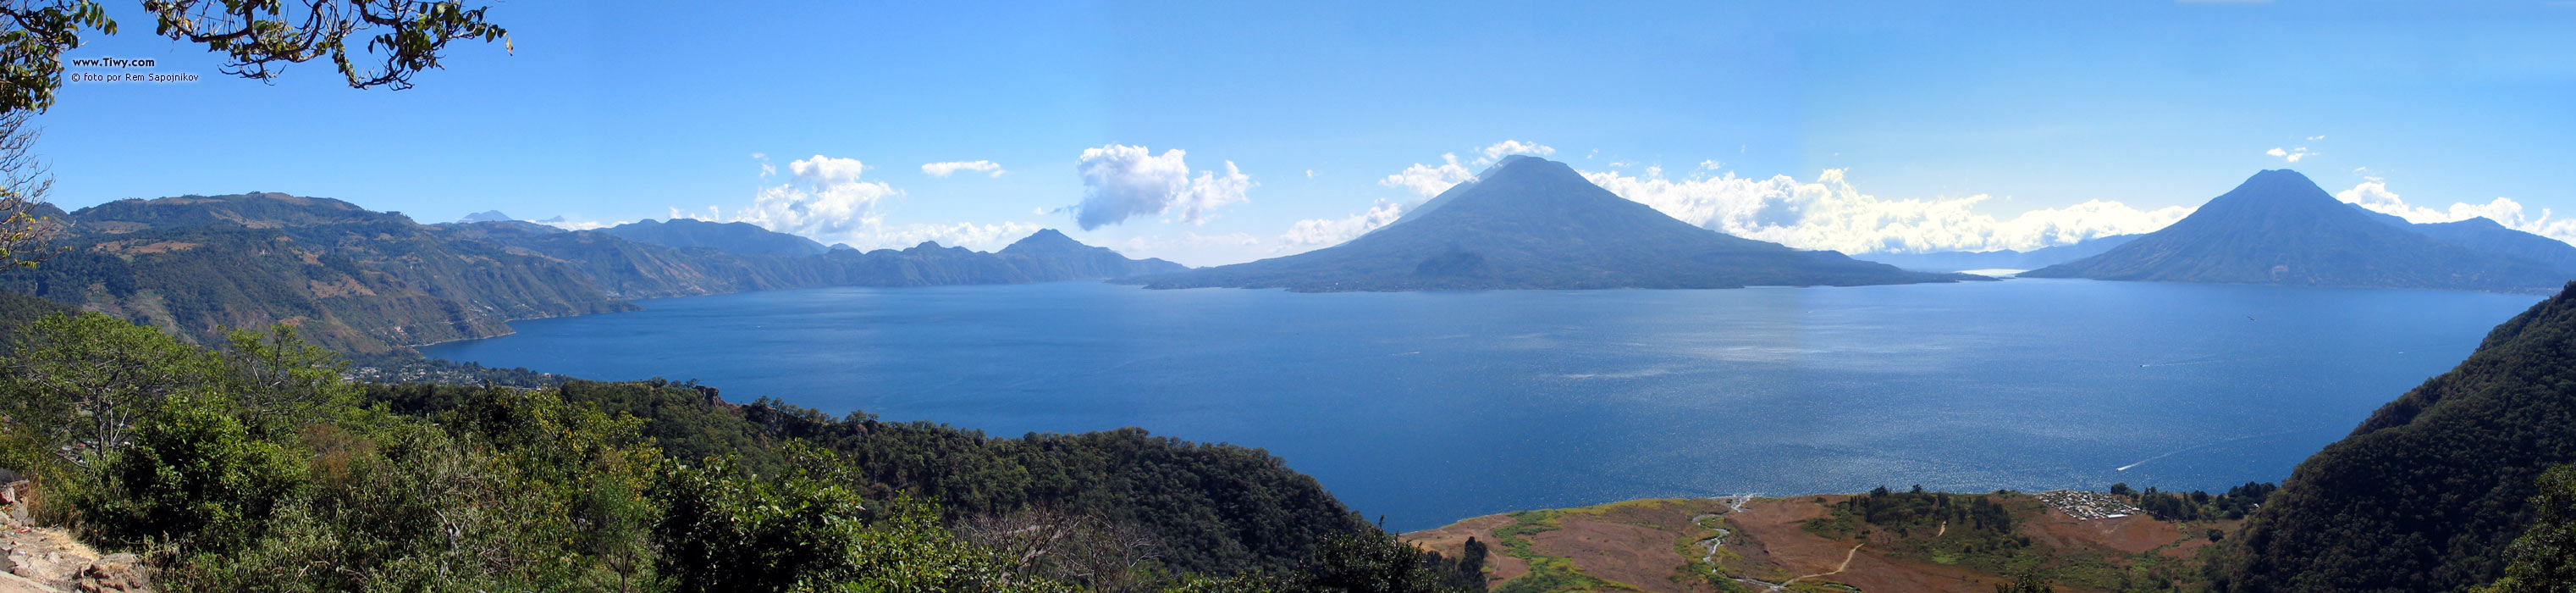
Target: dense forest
255,466
2428,493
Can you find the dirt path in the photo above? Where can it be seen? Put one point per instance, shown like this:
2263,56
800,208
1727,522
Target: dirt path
1847,558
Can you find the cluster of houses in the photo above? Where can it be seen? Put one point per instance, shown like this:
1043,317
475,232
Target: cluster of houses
2088,506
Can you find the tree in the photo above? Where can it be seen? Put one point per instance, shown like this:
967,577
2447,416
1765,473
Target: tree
403,37
283,380
257,37
80,383
23,185
2027,583
2544,558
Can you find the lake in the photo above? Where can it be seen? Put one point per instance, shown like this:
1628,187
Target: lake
1425,408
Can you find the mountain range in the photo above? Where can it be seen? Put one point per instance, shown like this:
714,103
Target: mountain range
732,237
2278,227
2001,259
1533,223
371,282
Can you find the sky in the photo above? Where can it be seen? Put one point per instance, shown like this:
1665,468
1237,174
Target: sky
1210,133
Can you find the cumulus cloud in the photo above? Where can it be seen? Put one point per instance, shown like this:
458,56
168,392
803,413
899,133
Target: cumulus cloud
1495,151
1429,180
2290,155
1829,213
2374,194
829,199
823,197
1123,182
943,169
1321,232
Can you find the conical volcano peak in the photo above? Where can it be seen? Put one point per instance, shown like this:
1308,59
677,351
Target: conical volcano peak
2278,227
1528,222
2278,179
1045,240
2272,190
1522,164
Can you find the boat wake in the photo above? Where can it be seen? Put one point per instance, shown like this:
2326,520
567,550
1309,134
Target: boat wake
2201,446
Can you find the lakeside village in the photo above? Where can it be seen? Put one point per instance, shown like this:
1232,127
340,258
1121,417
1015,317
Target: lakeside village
2087,506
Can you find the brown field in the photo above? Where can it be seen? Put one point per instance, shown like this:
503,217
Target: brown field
1639,545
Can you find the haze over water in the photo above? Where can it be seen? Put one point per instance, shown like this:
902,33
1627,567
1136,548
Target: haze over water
1431,407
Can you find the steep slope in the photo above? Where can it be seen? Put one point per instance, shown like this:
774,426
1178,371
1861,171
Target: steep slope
2005,259
1050,254
372,282
358,280
741,238
2280,228
2425,494
2485,235
1535,223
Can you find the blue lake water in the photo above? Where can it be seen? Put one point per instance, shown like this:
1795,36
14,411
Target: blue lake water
1425,408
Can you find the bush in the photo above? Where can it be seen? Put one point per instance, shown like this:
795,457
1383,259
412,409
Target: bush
194,476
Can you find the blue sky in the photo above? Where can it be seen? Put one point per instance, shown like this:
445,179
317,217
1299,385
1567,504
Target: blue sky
1852,126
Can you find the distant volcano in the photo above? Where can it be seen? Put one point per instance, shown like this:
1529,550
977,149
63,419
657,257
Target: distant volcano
1535,223
2280,228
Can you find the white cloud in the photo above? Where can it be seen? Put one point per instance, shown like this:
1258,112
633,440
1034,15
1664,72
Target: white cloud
1324,232
1127,181
1310,173
2290,155
1831,214
1496,150
2316,138
823,197
2374,195
829,200
577,225
944,168
979,237
1427,180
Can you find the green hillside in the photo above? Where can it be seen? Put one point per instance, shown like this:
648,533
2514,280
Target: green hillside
2427,493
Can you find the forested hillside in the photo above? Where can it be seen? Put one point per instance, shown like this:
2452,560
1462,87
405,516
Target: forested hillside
368,282
2427,493
255,467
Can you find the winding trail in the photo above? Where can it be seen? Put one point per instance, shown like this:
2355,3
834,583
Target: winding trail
1846,565
1735,504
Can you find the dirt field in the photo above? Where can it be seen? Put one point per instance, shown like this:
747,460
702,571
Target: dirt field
1650,545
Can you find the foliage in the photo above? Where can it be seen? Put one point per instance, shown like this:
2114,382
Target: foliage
2428,493
255,471
2544,558
256,37
1208,508
26,223
1902,513
194,475
79,384
2197,505
2026,583
805,530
